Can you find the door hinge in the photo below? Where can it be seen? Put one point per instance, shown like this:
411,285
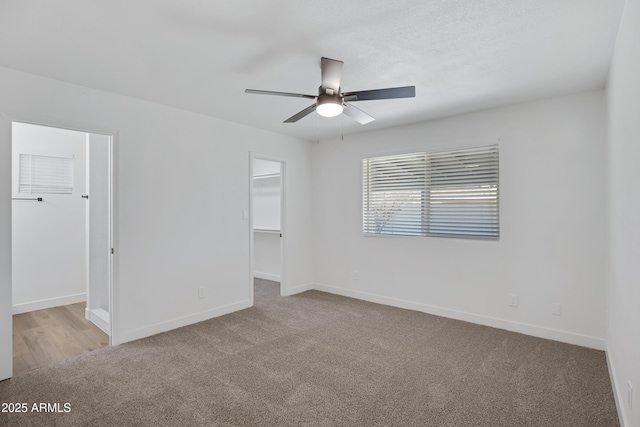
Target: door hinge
111,251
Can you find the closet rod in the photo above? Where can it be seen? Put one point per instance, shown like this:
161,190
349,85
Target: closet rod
38,199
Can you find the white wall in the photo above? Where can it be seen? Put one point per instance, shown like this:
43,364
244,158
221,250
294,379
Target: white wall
552,234
49,237
181,186
623,321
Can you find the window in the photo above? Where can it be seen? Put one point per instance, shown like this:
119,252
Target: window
46,174
446,193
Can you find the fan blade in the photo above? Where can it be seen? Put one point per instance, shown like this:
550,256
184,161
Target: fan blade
357,114
389,93
310,109
268,92
331,73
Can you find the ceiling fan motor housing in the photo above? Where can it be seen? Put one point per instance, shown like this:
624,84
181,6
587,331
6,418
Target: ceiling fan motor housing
329,103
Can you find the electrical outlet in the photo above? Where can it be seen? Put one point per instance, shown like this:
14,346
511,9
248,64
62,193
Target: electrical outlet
201,292
556,308
354,275
513,300
630,395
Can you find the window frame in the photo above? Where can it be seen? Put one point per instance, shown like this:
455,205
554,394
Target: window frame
425,220
36,176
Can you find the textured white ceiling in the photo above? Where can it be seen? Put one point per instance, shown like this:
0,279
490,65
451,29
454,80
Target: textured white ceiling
462,55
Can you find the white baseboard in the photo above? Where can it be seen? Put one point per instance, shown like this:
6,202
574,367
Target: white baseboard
48,303
99,317
523,328
179,322
266,276
618,393
298,289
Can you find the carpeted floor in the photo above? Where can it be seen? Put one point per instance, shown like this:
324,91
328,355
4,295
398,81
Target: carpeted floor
264,291
325,360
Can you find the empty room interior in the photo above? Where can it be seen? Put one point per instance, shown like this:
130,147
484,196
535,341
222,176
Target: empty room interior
320,213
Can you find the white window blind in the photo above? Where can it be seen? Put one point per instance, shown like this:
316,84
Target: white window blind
46,174
446,193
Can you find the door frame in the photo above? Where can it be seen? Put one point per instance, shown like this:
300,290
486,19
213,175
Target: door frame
110,233
6,138
283,220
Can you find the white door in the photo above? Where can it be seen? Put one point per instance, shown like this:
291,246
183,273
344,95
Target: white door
98,231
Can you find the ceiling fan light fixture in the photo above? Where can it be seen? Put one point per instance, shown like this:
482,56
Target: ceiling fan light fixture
329,105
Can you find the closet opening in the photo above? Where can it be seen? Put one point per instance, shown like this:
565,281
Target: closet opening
267,235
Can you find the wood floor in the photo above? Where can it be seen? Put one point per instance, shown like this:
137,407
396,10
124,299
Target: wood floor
49,336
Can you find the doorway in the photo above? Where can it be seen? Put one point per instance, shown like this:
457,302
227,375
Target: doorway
267,227
61,243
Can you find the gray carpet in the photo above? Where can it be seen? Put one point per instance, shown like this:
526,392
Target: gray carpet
264,291
324,360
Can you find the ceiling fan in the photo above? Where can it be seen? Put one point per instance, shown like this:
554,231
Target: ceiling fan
330,101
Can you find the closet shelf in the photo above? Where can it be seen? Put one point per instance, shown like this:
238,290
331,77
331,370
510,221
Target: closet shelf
268,175
266,230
